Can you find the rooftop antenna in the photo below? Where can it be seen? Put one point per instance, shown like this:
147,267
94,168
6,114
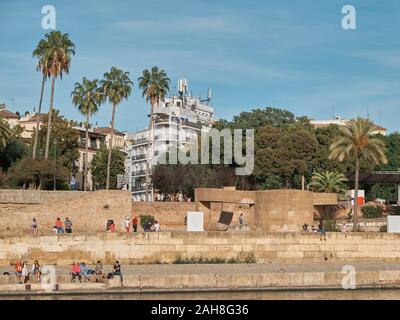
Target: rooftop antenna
209,96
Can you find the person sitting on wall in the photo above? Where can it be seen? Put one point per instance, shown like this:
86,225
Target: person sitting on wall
155,227
117,271
84,271
36,270
34,226
76,272
18,271
305,227
59,226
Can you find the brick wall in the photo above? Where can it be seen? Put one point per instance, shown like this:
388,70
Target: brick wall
85,209
170,215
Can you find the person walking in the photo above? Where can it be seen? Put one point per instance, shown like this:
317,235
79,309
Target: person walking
127,225
322,231
68,225
135,222
241,221
344,229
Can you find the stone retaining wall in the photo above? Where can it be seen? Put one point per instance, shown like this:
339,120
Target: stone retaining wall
167,247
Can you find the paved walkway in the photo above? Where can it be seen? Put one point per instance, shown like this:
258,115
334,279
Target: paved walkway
178,269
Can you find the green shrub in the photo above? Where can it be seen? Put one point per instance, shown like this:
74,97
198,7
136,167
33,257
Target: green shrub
383,229
145,220
330,225
372,211
393,210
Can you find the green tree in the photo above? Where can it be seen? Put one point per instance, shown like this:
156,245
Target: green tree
155,86
328,182
284,152
116,87
356,142
14,151
99,168
58,54
87,96
37,173
5,133
66,138
40,53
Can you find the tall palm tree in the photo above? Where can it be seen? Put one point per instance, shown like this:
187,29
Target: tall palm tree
58,59
356,141
116,86
40,53
87,97
155,86
5,133
328,182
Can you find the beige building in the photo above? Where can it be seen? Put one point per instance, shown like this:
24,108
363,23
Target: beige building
94,144
10,117
119,138
343,122
28,123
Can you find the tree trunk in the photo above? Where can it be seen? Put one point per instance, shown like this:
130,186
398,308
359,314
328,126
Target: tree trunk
356,193
110,148
35,141
46,153
85,181
150,140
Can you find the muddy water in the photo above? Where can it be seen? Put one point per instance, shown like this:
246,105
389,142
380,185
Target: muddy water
270,295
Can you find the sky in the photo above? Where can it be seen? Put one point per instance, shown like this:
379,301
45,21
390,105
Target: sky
287,54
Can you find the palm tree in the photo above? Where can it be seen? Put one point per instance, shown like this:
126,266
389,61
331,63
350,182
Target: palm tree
40,54
155,86
87,97
356,142
116,86
5,133
328,182
58,59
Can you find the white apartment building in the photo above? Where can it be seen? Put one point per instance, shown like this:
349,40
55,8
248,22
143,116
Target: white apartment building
177,122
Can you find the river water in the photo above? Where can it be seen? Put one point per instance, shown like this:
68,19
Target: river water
376,294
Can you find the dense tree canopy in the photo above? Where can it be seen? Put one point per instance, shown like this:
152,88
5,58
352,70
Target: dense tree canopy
98,167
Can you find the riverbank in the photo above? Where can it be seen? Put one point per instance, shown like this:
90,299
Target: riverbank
190,279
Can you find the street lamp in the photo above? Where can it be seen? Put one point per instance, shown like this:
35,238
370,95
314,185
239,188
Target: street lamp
54,164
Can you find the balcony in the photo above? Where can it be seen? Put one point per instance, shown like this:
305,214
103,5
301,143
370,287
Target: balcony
139,141
139,173
191,124
138,157
138,188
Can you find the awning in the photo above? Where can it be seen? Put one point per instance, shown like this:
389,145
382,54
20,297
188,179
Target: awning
376,177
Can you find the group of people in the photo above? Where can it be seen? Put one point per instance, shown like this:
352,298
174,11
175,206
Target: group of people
322,230
22,271
60,227
132,226
129,225
81,272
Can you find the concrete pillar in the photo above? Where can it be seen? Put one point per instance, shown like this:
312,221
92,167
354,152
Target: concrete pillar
398,194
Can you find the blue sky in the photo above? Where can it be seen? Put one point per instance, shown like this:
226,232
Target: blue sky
288,54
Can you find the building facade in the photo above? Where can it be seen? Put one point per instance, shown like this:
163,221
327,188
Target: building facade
343,122
178,121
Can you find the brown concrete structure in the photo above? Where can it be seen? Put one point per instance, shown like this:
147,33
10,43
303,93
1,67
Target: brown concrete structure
272,210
